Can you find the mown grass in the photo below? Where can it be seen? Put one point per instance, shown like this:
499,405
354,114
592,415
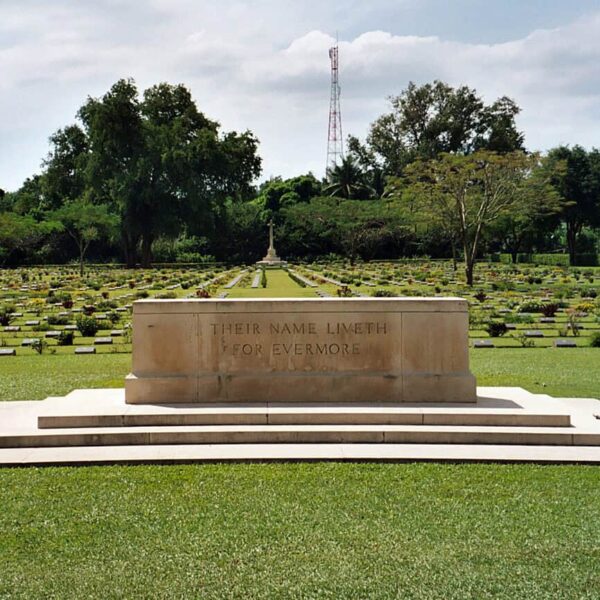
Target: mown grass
566,372
301,531
570,372
279,285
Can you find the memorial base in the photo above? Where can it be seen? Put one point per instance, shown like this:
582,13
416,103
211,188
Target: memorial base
97,426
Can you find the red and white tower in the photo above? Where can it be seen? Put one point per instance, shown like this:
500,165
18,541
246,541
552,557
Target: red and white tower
335,143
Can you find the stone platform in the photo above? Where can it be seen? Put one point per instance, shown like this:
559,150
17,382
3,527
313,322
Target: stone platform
97,426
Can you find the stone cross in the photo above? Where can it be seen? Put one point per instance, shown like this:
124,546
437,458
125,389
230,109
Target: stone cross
271,247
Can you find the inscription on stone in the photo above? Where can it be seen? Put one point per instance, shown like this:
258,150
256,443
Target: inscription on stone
291,332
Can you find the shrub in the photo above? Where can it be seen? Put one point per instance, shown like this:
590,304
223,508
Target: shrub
530,306
549,310
595,339
57,320
39,345
89,310
496,328
87,326
480,295
263,279
65,338
524,340
6,314
383,294
344,292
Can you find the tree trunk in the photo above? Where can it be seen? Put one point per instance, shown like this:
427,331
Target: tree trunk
147,251
81,263
572,230
513,256
129,250
453,246
469,265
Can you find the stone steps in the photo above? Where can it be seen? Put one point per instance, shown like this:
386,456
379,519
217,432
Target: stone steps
507,421
301,434
143,416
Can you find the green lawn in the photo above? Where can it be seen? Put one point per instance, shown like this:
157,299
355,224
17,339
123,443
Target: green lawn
301,531
279,285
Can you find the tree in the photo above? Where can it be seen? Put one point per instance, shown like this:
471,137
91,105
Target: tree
113,126
65,165
428,120
160,163
85,223
354,228
469,193
347,180
21,233
536,210
578,184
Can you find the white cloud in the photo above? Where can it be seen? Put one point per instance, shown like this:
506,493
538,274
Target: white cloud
264,66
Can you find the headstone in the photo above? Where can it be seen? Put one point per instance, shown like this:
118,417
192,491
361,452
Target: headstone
32,323
565,344
103,340
29,341
302,350
511,326
85,350
547,320
116,332
483,344
12,328
70,327
7,352
536,333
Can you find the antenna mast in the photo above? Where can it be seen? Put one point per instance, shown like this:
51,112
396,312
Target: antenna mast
335,143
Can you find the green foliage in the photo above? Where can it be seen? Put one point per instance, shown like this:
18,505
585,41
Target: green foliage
575,175
87,326
383,293
65,338
85,223
496,328
429,120
6,311
263,278
531,306
39,345
347,180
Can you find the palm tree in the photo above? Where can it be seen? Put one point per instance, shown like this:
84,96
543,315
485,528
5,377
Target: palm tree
347,180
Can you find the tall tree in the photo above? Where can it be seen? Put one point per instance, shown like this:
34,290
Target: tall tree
469,192
578,184
435,118
114,128
161,162
65,165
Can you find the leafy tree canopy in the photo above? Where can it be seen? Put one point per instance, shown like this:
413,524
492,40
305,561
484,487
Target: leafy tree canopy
428,120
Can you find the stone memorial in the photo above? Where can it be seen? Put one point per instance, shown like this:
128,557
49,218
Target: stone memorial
385,350
271,259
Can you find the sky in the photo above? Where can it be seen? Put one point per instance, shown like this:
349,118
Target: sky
263,65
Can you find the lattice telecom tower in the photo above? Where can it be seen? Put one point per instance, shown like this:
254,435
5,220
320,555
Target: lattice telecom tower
335,143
